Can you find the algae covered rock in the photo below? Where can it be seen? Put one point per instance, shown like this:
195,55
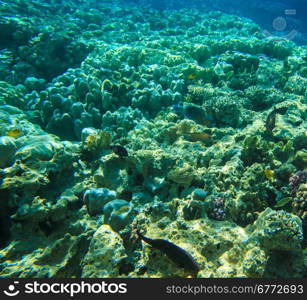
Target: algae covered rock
255,262
38,147
278,230
199,194
37,211
118,214
105,253
113,173
7,151
95,199
254,150
182,175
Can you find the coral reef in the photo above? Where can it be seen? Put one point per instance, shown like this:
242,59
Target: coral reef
277,230
189,128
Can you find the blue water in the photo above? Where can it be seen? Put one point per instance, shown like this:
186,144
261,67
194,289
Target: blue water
283,18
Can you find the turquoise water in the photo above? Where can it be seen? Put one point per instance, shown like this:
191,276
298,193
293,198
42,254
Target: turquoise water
126,122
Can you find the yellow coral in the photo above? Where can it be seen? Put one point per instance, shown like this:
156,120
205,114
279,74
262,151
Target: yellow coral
97,140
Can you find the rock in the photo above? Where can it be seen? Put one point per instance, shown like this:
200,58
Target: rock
40,147
95,199
118,213
199,194
105,252
278,230
183,175
7,151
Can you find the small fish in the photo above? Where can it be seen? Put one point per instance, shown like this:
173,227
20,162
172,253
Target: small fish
119,150
178,255
198,137
269,174
192,76
178,108
281,110
271,119
90,140
283,202
15,133
195,113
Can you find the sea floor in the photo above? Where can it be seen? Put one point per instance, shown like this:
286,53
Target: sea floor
183,125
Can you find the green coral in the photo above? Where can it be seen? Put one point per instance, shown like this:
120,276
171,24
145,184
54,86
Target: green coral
278,230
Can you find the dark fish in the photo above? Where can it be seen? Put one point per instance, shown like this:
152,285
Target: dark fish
281,110
119,150
178,108
271,119
195,113
178,255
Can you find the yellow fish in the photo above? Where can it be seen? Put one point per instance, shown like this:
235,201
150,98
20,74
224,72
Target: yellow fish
15,133
192,76
269,174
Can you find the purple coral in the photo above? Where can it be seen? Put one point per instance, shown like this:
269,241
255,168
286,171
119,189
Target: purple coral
296,179
297,184
217,212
